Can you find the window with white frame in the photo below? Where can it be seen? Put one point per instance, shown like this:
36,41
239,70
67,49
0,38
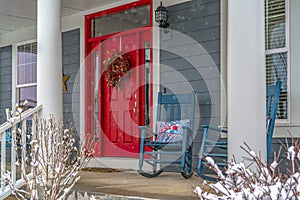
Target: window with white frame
276,26
27,73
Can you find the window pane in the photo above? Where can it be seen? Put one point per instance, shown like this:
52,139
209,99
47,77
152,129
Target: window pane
277,70
147,82
29,94
96,90
275,24
21,74
125,20
27,58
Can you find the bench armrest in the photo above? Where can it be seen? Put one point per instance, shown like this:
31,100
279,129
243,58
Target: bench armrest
145,130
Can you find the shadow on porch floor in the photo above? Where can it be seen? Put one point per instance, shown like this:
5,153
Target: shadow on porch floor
129,184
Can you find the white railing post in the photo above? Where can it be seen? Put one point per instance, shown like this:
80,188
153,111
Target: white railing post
5,190
13,155
23,138
3,157
33,129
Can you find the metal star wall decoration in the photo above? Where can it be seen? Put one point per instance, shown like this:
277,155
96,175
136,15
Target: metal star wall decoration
65,78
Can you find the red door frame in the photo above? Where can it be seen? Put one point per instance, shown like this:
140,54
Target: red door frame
89,46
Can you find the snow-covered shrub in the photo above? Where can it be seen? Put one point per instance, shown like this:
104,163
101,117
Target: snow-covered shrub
266,182
51,166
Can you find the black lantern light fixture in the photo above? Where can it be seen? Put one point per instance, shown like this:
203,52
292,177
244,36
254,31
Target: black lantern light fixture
161,16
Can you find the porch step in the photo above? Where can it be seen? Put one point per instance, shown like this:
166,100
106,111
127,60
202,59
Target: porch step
99,196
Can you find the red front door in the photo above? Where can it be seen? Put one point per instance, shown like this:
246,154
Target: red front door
112,115
119,110
123,106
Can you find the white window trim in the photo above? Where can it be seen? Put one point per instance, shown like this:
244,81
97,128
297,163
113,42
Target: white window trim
15,84
25,85
286,49
223,63
279,50
287,30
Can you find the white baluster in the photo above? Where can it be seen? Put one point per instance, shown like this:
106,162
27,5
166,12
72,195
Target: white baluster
13,154
3,158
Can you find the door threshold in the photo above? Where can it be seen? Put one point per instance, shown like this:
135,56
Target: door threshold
121,163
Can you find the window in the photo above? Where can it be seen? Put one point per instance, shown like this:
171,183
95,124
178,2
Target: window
27,73
120,21
277,50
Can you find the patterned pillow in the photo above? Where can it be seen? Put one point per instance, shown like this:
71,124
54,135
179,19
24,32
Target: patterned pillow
171,131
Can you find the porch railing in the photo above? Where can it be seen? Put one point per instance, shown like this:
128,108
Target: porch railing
31,113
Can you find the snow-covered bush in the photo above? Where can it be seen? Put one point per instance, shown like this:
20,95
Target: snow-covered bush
51,166
266,182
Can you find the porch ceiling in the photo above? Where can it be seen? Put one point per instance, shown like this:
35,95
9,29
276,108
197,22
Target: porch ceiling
18,14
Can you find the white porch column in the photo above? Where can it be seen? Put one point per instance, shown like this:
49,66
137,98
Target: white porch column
246,77
49,58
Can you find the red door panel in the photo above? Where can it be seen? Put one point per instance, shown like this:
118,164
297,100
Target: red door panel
123,106
114,114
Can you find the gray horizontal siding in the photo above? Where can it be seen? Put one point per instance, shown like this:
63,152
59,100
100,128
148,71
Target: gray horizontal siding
275,147
277,143
198,11
5,81
187,6
71,63
190,60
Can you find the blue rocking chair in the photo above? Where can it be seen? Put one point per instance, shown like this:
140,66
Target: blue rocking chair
173,136
216,147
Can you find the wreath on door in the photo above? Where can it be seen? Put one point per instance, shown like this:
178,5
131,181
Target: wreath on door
117,65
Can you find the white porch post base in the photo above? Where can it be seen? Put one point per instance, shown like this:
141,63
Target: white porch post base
246,77
49,59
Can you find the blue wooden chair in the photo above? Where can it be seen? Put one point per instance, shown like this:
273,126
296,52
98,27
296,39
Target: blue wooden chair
173,136
216,147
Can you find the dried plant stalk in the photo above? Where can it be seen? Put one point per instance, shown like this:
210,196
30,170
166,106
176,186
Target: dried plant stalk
55,160
266,182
